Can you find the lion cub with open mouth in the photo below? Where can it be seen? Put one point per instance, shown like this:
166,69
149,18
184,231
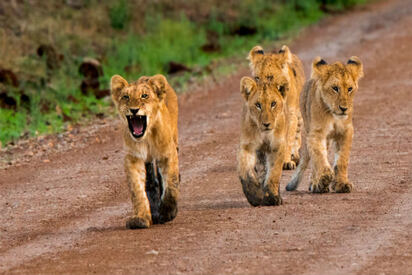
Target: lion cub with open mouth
148,110
327,106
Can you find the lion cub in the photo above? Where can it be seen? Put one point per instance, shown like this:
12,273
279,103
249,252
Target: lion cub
327,106
263,140
148,112
288,71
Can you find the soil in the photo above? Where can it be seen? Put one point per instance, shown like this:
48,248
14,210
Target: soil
64,211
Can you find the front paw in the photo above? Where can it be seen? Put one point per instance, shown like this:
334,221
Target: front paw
296,158
271,199
249,175
167,213
137,222
156,217
289,165
322,185
168,209
252,190
342,186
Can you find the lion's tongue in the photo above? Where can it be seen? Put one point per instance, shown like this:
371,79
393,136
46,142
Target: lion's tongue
137,126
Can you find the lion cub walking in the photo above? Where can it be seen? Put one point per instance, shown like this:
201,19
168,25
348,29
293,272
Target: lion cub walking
263,140
327,105
148,111
286,70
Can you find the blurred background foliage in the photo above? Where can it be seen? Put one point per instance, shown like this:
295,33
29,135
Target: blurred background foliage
57,57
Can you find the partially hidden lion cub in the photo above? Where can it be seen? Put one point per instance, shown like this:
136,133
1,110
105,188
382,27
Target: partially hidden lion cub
327,106
148,111
288,71
263,140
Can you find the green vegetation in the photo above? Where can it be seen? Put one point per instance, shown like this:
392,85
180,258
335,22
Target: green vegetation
166,41
167,33
119,14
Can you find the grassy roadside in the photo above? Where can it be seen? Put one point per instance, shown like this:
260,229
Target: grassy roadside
185,40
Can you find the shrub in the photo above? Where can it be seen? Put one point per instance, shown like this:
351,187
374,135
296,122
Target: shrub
119,14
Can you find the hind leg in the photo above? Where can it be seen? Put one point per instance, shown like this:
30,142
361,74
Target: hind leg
298,140
169,175
298,175
153,190
136,176
292,124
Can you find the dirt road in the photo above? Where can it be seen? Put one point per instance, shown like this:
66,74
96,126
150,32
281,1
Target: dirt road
68,215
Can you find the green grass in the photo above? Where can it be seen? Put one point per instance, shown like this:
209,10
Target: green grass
181,40
119,14
54,104
55,98
168,40
12,124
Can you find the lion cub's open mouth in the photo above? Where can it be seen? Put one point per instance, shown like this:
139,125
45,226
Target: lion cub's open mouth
137,125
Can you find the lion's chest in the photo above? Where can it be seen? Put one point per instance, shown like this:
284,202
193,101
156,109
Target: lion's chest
335,127
139,150
149,150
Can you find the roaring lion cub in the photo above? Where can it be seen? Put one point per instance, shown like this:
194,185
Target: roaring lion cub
263,140
148,111
327,106
287,69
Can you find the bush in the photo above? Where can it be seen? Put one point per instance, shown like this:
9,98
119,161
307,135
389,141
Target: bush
12,125
119,14
166,41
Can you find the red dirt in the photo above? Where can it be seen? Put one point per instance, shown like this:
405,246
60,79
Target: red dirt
68,215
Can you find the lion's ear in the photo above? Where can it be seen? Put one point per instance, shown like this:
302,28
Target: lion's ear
117,84
255,54
287,55
286,60
247,86
158,83
319,67
355,67
143,79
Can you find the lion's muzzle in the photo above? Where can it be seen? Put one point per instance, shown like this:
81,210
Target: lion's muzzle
137,124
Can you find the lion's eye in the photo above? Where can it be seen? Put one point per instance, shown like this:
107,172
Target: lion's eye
336,89
281,89
145,96
258,105
350,89
273,104
125,97
257,78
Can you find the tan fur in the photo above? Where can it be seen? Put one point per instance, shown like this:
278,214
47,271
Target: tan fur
326,122
262,142
158,145
283,69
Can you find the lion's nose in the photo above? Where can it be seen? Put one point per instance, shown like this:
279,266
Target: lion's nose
266,125
134,111
343,109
